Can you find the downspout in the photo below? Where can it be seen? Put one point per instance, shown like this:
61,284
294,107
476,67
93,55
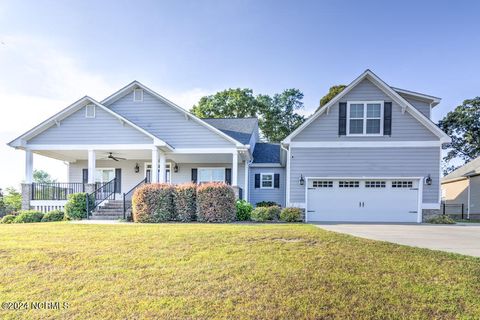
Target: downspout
468,200
287,193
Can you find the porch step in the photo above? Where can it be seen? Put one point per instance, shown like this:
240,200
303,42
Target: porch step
106,217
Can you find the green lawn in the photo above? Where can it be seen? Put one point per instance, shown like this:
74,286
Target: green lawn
228,271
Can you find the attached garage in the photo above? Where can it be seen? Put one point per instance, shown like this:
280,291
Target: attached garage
363,200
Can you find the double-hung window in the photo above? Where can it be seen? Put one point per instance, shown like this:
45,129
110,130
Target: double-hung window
364,118
266,181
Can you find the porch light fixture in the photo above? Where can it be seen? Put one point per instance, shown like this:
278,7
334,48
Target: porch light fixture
175,168
428,180
301,180
137,168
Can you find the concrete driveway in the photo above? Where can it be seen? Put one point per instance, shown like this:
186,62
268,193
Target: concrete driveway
459,238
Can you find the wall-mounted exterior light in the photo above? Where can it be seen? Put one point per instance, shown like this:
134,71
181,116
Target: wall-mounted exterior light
301,181
175,168
137,168
428,180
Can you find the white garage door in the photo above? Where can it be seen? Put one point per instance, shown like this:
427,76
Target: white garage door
369,200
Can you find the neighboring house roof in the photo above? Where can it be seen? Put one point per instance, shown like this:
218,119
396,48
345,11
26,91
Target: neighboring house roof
58,117
367,74
471,168
135,84
266,153
240,129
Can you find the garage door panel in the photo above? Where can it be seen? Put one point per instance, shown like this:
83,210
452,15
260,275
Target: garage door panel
368,200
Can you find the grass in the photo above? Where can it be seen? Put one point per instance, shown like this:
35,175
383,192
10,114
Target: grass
173,271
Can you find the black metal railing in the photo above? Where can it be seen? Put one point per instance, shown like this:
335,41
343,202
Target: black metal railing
127,197
454,209
55,190
104,192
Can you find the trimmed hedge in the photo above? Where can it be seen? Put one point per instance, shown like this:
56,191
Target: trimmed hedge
291,214
76,206
215,203
54,215
28,216
261,214
153,203
244,210
185,201
266,204
9,218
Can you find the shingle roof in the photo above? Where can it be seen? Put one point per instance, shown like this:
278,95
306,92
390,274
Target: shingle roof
469,169
266,153
240,129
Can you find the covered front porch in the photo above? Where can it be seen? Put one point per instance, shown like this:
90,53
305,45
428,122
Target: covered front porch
111,173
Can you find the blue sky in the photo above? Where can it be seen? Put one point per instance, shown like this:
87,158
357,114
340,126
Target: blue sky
54,52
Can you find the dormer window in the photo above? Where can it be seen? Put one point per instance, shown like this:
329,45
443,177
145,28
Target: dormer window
138,95
90,111
364,118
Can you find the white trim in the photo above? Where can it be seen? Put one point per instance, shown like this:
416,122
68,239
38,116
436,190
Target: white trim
154,174
261,180
419,198
162,166
135,94
204,150
364,144
48,205
28,166
91,166
234,181
430,205
246,182
444,138
287,184
434,100
70,147
468,198
210,168
86,111
125,90
266,165
365,118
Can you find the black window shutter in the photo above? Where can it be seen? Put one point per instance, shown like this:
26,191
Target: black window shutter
387,119
85,175
257,180
194,175
118,181
276,180
342,119
228,176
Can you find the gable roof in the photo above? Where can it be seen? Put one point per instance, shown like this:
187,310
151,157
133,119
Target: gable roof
367,74
135,84
266,153
240,129
431,99
471,168
58,117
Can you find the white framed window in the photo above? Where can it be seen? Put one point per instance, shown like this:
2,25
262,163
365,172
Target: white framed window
375,184
349,184
90,111
266,181
168,172
365,118
402,184
211,175
138,95
104,175
322,184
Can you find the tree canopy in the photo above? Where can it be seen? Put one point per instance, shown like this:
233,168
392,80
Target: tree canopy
12,200
332,92
463,126
277,114
41,176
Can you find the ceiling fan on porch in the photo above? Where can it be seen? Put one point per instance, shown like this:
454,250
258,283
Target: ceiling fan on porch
111,156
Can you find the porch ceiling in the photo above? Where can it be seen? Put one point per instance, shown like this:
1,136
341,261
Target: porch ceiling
74,155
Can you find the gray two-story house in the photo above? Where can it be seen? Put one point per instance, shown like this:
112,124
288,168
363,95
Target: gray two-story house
370,154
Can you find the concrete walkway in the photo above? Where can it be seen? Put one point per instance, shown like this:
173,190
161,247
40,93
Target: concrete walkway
463,238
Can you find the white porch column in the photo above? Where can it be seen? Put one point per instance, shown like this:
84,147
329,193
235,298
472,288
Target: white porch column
163,163
245,188
235,168
91,166
154,165
28,166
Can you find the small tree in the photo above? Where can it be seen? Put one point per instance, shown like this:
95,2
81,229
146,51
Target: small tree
42,176
12,200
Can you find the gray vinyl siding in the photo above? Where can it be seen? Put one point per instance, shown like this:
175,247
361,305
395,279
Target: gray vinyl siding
257,194
365,162
104,128
130,178
404,126
475,195
422,106
168,124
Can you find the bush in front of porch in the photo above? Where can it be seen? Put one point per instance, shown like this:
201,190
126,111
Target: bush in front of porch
153,203
215,203
76,206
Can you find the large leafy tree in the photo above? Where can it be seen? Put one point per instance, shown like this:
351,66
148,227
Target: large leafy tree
332,92
230,103
41,176
278,115
463,126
